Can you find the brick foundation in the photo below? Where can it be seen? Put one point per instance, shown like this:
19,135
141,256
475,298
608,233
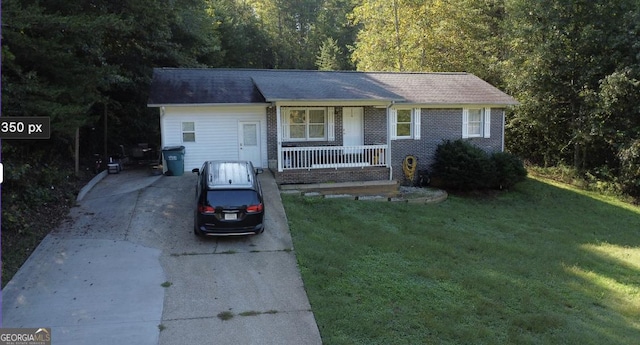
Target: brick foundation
331,175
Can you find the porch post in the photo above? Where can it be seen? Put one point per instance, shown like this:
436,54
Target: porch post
279,137
388,154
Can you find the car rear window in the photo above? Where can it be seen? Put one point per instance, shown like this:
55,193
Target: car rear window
232,198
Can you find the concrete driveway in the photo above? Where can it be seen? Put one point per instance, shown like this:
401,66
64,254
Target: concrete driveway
127,269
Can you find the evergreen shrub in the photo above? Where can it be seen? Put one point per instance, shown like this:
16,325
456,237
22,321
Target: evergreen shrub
463,166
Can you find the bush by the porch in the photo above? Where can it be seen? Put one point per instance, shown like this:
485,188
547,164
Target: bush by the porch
462,166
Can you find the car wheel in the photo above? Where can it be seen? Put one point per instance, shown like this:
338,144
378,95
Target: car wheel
197,231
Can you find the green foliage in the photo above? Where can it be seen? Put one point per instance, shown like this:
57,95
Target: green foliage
243,41
68,60
328,58
509,169
630,169
562,53
297,29
462,166
426,35
31,180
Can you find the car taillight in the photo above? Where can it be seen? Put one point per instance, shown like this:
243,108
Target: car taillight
254,208
206,209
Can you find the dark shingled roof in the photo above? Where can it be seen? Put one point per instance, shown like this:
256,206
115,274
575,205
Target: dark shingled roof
202,86
178,86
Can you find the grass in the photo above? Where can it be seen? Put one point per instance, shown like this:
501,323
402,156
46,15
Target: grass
541,264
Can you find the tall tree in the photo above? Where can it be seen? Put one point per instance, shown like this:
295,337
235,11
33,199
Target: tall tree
297,29
559,51
329,56
243,42
428,35
70,59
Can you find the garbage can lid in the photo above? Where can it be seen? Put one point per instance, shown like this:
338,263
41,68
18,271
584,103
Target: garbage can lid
173,148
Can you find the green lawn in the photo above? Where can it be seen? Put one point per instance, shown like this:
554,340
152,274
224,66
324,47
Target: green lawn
541,264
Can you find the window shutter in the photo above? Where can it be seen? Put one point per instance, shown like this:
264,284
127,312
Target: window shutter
394,123
465,123
487,122
331,127
285,125
416,123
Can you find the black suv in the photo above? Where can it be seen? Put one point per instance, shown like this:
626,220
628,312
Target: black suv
228,199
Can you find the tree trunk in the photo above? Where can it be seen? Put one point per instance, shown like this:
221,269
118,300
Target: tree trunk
77,152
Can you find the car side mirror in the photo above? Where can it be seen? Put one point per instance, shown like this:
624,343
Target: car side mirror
195,171
259,171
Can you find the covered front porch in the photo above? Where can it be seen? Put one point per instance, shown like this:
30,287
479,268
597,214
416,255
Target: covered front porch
322,164
328,144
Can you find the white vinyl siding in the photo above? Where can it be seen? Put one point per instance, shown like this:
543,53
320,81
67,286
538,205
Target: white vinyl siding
216,130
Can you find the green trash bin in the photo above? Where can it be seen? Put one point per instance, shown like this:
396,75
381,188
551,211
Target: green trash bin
174,158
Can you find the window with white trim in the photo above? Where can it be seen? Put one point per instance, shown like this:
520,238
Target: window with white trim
405,123
307,124
476,123
188,132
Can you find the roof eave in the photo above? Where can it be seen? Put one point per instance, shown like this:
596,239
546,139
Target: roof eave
158,105
459,104
334,102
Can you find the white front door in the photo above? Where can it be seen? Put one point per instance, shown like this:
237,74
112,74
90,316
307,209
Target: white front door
249,142
353,134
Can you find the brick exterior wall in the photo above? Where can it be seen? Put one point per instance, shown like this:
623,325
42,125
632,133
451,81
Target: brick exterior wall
375,126
436,125
332,175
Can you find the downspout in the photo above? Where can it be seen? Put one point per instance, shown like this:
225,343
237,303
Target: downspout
163,111
503,126
389,163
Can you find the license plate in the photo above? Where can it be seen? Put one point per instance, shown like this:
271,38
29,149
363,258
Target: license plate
230,216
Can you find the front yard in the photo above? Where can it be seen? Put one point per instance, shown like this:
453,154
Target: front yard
541,264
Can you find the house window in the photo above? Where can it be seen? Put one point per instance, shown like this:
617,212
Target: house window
476,122
305,124
405,124
188,132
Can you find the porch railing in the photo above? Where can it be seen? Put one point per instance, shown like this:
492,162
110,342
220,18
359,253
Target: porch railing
323,157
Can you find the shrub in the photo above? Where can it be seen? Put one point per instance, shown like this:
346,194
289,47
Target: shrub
509,169
462,166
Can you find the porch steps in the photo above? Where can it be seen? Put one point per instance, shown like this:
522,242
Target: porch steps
359,188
